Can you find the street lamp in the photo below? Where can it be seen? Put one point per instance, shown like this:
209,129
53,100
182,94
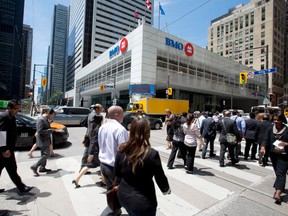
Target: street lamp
168,82
34,83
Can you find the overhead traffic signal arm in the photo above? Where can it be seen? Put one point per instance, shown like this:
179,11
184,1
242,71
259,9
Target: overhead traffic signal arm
243,78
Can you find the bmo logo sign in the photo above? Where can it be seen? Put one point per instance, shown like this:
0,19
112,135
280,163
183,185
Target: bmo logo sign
188,48
120,48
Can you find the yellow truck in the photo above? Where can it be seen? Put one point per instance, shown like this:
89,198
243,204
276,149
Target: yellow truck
157,106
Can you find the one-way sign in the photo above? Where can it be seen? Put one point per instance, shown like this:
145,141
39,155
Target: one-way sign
270,70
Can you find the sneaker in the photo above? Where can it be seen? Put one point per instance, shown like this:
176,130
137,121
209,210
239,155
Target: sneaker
189,172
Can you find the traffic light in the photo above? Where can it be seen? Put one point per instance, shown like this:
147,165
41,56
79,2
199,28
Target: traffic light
243,78
102,87
44,81
169,91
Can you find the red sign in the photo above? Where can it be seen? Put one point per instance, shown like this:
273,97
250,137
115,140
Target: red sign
123,45
189,50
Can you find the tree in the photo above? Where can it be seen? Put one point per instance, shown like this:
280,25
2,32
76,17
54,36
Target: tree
54,99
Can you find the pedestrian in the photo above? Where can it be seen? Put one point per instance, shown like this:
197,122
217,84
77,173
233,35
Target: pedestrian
178,142
276,138
93,149
7,157
43,141
216,116
191,132
250,135
241,127
168,119
263,125
111,135
208,132
200,140
224,126
96,110
135,166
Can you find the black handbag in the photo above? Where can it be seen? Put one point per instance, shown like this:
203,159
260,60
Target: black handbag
112,197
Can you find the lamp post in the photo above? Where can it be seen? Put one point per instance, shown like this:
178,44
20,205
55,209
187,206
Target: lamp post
34,83
168,82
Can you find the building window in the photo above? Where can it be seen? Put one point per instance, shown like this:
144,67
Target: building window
251,60
251,45
252,18
236,35
247,31
236,56
262,67
226,45
262,58
263,14
236,42
246,61
230,51
246,39
262,42
246,20
251,30
240,56
251,37
263,26
263,34
240,41
246,46
251,53
246,54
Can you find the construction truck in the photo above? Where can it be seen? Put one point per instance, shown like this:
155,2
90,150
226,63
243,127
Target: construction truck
157,106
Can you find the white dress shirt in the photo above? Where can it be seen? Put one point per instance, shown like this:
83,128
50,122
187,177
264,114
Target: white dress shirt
110,136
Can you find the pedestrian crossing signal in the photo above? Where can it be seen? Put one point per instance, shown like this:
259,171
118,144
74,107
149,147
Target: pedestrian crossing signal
44,81
170,91
243,78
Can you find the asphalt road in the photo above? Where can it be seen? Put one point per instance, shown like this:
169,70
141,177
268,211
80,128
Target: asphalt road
242,190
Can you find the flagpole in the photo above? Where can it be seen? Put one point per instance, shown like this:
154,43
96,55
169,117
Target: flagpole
159,17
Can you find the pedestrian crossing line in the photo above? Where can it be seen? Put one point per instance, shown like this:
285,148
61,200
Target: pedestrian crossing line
173,205
200,184
85,195
229,170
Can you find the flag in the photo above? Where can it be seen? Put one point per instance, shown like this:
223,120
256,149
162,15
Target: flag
148,5
161,10
136,14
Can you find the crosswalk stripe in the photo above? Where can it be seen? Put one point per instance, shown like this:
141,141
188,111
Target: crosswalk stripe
85,195
229,170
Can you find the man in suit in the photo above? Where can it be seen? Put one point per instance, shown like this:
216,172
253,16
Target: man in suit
227,125
43,140
252,127
7,157
208,132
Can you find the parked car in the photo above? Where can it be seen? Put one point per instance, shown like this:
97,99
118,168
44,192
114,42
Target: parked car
26,129
155,123
68,115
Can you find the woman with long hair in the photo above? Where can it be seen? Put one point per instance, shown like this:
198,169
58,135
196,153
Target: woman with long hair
135,166
191,132
276,138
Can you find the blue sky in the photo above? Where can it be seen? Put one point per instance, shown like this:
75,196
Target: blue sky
188,19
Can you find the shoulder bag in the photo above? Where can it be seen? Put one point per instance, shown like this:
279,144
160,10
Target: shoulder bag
230,137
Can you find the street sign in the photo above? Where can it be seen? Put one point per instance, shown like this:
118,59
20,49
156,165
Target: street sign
270,70
109,86
250,74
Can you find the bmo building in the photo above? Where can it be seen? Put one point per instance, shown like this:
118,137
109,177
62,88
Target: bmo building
147,62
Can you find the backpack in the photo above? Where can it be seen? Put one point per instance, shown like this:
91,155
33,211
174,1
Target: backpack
84,121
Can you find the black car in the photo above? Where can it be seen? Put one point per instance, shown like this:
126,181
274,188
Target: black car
155,123
26,129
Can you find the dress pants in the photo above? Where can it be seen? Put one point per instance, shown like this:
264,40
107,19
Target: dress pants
11,167
250,142
280,166
191,157
223,147
205,146
177,145
108,172
45,152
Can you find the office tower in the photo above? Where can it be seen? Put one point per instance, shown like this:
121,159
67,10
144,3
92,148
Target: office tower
96,25
58,50
26,61
254,35
11,24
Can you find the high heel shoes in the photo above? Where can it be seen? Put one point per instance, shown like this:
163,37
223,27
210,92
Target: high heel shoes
76,184
277,200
